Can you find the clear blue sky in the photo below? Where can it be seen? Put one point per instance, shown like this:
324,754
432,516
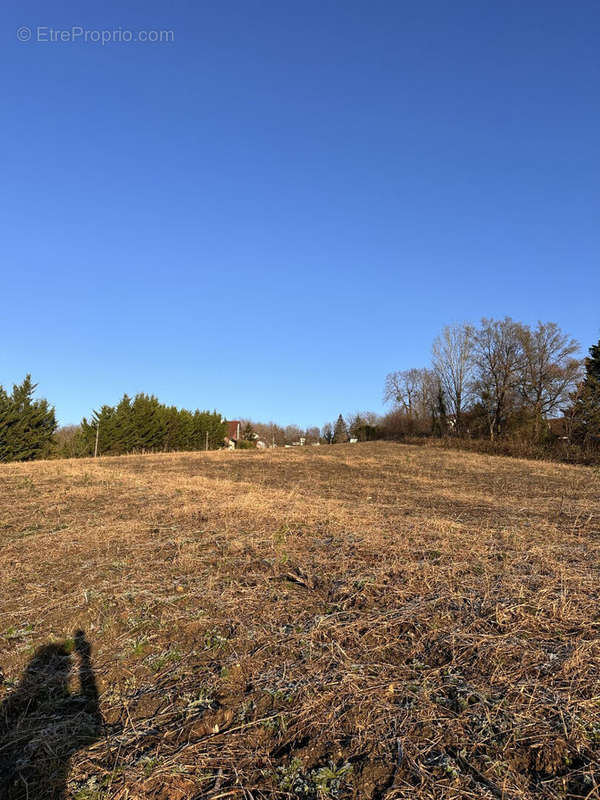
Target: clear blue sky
289,200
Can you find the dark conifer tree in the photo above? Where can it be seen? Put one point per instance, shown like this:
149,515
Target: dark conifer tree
145,424
248,434
122,427
26,425
172,429
585,409
592,363
340,432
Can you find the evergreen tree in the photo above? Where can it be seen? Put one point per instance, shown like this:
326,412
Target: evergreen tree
585,409
357,427
145,424
340,432
211,424
121,435
106,424
26,425
172,429
592,363
248,434
440,416
197,431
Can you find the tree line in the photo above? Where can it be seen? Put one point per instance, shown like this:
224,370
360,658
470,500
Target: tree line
28,428
143,424
274,435
500,379
519,388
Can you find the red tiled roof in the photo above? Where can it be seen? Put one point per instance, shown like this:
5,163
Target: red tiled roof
232,428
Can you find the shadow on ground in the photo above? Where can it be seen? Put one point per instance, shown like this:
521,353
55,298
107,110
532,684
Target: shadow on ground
42,723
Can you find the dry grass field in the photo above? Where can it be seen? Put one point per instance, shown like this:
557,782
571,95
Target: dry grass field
369,621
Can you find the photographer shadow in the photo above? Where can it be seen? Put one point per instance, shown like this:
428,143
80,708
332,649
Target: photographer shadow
42,724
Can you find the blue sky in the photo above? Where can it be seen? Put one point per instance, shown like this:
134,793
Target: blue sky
288,201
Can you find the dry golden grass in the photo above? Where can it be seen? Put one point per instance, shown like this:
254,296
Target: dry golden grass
369,621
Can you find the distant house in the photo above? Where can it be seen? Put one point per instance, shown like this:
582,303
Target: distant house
233,433
258,442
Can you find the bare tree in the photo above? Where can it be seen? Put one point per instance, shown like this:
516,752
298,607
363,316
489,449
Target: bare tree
292,434
453,364
312,435
404,389
327,433
497,356
548,370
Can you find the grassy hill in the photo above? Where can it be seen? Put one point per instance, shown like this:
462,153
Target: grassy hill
368,621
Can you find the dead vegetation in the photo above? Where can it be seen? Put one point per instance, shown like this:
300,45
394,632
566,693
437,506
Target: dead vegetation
377,621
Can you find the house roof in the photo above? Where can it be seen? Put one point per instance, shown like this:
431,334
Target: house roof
233,426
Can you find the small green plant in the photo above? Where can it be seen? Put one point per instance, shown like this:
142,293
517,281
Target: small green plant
201,702
316,784
280,695
292,778
280,535
166,657
138,647
451,771
276,724
149,765
19,633
90,791
89,794
214,640
329,780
